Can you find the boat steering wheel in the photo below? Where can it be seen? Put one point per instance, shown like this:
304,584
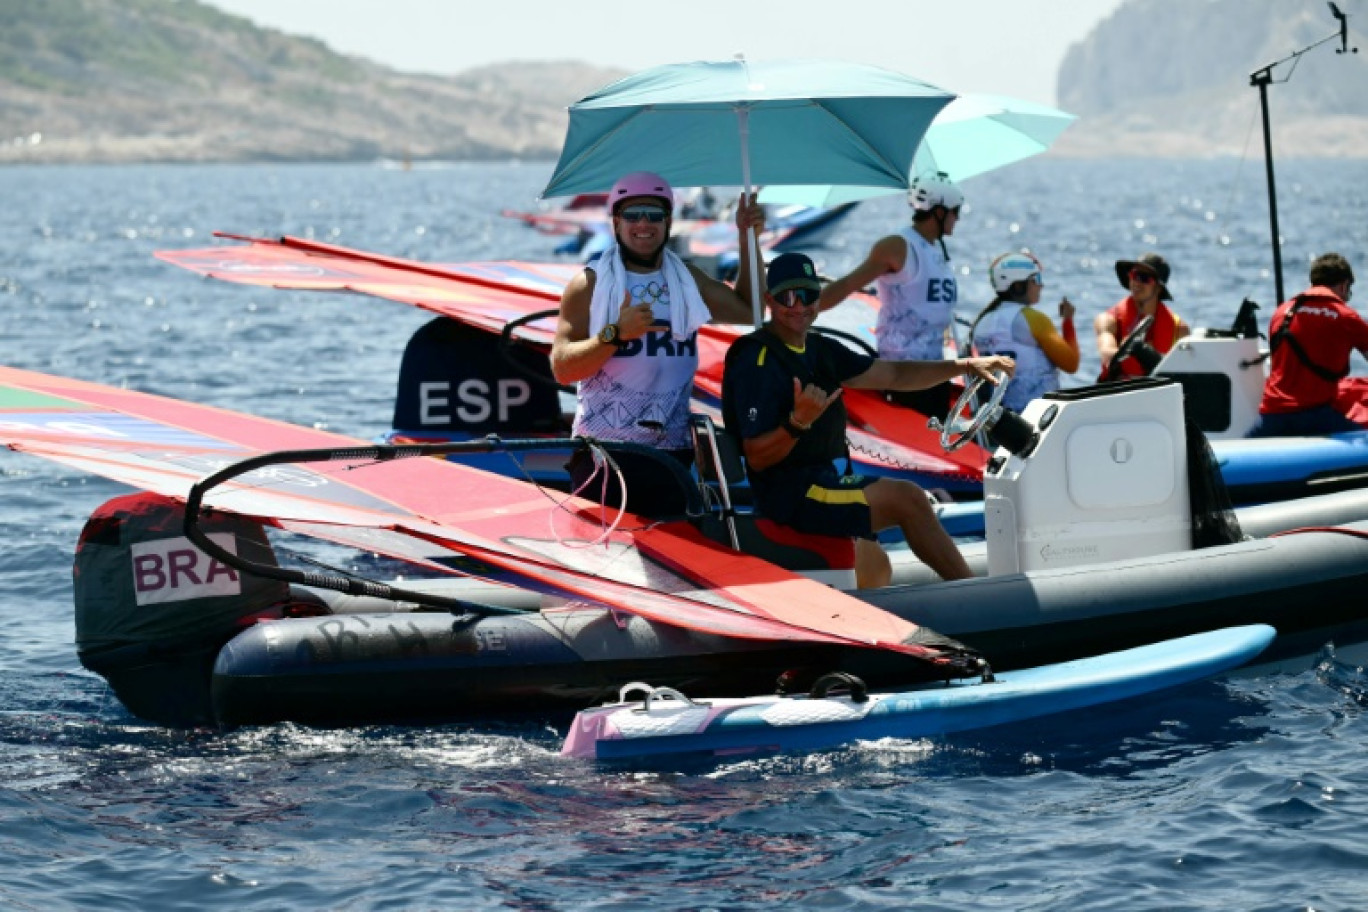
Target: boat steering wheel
958,431
1129,345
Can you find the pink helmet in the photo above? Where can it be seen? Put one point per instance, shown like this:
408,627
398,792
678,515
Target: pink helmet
640,183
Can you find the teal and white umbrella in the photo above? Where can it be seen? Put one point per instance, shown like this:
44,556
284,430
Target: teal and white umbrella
971,135
740,123
737,122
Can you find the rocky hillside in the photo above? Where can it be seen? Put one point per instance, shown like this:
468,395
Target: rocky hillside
1171,77
175,80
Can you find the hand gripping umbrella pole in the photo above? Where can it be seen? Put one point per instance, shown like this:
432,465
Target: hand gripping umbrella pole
753,254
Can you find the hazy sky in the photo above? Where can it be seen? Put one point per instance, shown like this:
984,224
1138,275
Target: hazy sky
1011,47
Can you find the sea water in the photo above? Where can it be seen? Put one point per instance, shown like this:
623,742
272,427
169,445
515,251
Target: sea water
1249,793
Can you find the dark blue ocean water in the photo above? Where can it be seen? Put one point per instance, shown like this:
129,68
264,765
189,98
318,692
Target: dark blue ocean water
1243,794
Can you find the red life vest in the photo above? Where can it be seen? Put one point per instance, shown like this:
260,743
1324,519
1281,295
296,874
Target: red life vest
1161,336
1311,338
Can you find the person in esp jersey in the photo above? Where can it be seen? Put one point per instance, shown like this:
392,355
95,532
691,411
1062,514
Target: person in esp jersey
628,336
781,397
1311,338
1147,281
1010,325
916,287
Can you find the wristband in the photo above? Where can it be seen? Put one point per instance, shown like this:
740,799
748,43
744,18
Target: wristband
794,428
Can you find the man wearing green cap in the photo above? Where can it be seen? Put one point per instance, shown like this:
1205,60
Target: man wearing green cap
781,397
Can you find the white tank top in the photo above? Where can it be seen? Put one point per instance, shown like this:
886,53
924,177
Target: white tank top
916,303
1006,331
641,394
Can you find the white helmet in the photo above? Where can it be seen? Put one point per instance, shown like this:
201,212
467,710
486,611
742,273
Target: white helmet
1014,267
931,190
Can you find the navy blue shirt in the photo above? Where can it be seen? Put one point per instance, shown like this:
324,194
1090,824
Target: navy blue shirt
757,395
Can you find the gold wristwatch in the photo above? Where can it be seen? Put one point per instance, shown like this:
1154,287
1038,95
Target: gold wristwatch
609,335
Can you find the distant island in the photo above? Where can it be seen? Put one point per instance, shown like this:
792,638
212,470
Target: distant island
1170,78
121,81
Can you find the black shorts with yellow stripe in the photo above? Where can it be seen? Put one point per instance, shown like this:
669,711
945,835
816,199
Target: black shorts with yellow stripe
818,500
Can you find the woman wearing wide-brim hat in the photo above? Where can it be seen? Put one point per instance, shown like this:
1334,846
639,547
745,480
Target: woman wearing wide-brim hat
1147,281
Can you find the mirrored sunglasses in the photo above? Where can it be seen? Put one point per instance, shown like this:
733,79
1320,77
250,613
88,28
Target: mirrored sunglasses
1143,276
1037,278
795,296
653,214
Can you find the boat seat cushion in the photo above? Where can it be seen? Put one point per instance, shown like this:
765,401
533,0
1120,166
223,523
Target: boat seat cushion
783,545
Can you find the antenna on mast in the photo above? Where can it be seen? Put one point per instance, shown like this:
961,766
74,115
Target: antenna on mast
1344,47
1263,78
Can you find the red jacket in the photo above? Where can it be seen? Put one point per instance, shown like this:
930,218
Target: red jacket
1327,330
1160,336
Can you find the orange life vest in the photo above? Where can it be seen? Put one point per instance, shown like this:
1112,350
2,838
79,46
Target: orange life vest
1161,335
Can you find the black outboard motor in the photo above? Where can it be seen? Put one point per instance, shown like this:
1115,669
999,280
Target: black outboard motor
456,379
152,610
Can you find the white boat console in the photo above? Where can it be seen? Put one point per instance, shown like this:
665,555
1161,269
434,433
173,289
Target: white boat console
1223,376
1104,478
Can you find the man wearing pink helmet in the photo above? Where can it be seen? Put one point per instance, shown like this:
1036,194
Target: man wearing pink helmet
628,336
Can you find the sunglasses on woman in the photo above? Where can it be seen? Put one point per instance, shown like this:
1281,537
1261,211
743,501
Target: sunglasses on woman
1143,276
795,296
653,214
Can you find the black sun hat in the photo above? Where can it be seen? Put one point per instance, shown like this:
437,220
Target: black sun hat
1151,262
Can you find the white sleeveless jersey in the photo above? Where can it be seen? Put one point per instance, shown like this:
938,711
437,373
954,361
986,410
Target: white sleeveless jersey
1005,331
916,303
641,394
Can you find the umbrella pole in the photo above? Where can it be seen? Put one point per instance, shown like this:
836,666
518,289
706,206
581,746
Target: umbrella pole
753,254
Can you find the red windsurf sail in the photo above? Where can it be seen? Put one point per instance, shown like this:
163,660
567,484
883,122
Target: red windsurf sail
506,526
490,295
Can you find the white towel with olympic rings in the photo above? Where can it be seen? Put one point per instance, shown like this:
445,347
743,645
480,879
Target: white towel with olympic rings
687,310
